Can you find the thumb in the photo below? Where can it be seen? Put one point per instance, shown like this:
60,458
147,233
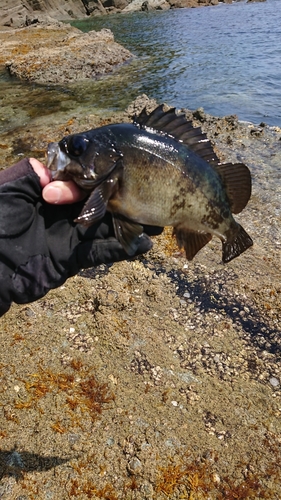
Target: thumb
61,193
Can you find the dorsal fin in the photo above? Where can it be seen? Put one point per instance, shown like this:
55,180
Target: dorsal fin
178,127
236,177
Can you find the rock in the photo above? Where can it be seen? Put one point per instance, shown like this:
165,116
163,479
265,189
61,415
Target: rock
192,3
15,15
23,13
155,5
142,101
61,55
208,2
178,4
214,362
116,4
134,466
134,6
274,382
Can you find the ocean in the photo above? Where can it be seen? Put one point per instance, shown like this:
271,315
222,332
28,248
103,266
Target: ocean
225,58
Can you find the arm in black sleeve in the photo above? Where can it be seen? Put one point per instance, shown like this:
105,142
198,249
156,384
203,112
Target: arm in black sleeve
40,245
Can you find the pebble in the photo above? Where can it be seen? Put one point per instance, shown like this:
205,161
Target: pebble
135,466
216,478
274,382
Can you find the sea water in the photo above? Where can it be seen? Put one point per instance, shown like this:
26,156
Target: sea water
225,58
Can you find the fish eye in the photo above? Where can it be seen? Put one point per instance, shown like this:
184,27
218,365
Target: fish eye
76,145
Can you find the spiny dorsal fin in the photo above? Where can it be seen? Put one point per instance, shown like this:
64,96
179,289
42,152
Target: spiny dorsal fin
178,127
236,178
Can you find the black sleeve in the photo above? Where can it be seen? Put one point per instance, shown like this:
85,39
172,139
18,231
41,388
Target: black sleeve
27,270
41,246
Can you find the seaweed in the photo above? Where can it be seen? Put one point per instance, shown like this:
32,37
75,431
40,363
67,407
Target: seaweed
84,393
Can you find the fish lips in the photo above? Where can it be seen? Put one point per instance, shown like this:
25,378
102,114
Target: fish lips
57,160
65,168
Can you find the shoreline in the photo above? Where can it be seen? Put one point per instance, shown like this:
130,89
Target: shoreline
22,14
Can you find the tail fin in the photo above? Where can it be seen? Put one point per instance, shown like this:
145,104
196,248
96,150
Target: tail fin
234,248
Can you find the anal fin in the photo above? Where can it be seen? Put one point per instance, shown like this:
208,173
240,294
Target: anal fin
127,232
191,241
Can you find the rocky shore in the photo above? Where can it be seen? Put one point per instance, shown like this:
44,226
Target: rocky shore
153,378
37,46
24,13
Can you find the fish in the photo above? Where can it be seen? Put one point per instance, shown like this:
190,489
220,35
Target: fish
158,170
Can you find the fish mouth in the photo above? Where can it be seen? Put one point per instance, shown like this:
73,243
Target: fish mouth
57,160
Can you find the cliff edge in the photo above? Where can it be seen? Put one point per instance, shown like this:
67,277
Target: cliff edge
23,13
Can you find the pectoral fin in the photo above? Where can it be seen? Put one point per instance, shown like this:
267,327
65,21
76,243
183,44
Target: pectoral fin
127,232
191,241
95,207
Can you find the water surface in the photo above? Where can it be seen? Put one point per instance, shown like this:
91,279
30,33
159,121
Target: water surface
225,58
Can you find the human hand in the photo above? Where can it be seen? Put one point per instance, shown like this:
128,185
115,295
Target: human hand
56,192
40,244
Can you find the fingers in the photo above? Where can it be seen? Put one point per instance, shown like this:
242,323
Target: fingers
62,192
57,192
42,171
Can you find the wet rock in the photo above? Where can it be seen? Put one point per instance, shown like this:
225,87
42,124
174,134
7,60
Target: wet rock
179,4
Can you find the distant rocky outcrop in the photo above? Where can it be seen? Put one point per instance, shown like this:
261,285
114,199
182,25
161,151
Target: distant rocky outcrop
21,13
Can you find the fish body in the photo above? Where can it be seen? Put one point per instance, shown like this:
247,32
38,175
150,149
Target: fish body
159,171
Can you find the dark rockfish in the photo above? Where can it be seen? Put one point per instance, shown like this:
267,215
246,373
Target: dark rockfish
161,171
